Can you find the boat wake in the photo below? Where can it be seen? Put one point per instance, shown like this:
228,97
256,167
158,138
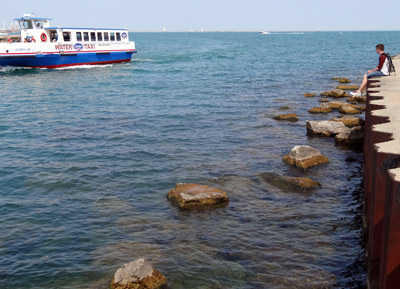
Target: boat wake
7,69
86,66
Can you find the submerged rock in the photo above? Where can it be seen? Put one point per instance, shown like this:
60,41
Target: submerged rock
309,94
302,185
324,100
288,116
348,109
325,127
138,274
305,156
350,120
320,109
284,108
194,196
344,80
348,87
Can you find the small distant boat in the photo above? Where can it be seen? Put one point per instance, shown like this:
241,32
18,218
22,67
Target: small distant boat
264,32
40,45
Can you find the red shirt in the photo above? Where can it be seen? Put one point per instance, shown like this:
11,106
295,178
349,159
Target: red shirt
382,60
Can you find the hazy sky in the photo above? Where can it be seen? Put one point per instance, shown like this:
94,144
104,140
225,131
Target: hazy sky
185,15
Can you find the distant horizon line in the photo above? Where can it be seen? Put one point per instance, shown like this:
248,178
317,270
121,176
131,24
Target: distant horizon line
255,31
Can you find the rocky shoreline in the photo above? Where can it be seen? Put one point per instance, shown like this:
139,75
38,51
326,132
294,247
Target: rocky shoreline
347,129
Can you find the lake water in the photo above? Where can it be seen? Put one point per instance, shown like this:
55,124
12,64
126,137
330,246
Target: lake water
88,155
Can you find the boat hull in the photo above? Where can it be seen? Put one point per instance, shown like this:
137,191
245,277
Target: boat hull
65,59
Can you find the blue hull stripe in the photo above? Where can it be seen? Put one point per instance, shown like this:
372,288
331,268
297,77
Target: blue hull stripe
57,60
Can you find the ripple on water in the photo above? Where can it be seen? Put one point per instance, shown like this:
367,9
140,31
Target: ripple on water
89,155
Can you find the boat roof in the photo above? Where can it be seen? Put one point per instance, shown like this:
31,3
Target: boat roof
75,28
32,18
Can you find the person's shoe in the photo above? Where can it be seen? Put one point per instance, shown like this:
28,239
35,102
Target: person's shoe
356,93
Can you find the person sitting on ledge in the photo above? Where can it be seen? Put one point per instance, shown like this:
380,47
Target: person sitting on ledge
381,70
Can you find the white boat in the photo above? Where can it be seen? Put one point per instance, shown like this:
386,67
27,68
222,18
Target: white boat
264,32
41,45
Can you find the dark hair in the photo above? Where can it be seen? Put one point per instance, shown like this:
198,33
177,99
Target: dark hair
381,47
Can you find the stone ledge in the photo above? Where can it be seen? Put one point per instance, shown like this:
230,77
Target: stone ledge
390,90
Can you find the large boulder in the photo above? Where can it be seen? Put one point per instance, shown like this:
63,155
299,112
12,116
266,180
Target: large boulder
350,120
288,116
138,274
194,196
304,157
325,127
293,184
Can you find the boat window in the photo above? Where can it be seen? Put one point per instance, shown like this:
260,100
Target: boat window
112,36
25,24
118,36
39,24
67,36
92,36
105,36
99,36
86,36
78,36
53,36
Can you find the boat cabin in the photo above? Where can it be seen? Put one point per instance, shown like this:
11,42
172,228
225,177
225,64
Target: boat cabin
34,29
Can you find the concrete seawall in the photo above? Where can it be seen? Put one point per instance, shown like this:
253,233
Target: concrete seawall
382,181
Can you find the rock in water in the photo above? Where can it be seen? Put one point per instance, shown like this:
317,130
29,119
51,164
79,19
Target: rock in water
357,99
344,80
194,196
309,94
305,156
336,104
353,137
348,87
288,116
325,127
347,109
338,93
320,109
298,185
350,120
343,137
138,274
357,135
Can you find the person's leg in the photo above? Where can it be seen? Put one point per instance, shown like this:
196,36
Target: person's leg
363,85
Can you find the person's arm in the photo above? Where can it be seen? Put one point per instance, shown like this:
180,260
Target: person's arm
382,59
